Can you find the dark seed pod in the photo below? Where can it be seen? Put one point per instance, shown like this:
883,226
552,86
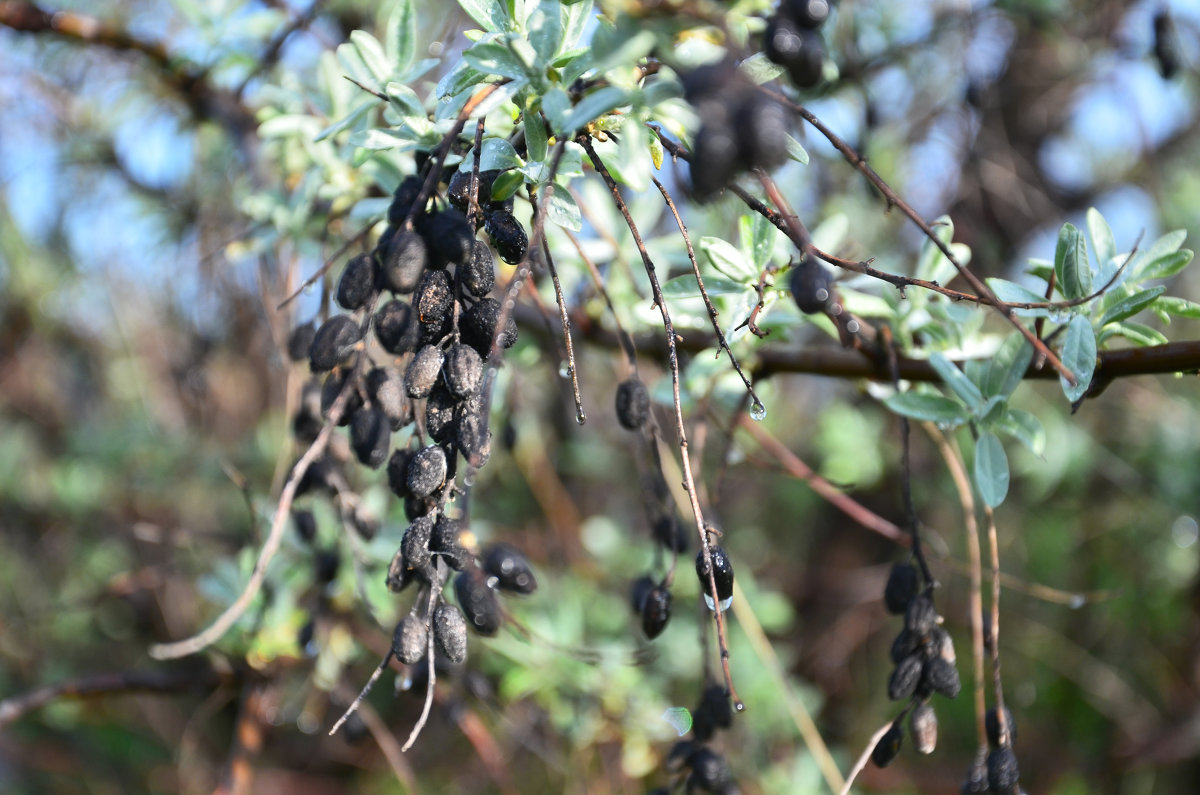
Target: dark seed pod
992,725
403,262
396,328
811,286
385,388
904,678
403,199
333,343
300,341
714,159
478,275
808,13
977,781
888,747
370,434
508,236
315,478
450,633
418,506
450,237
633,403
656,611
714,712
415,544
1002,770
722,572
761,129
357,283
306,525
639,591
423,371
902,585
923,726
905,644
471,433
464,370
478,601
941,677
920,618
399,576
439,414
426,471
410,640
510,568
710,771
325,565
446,542
478,325
459,189
397,472
434,298
941,645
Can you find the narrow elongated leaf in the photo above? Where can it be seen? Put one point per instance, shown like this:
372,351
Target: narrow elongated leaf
1167,244
1025,428
1135,333
1071,263
590,108
372,54
922,406
506,185
1130,306
1101,236
402,35
1079,355
546,29
796,151
958,382
991,469
685,286
488,13
728,260
1167,265
1180,307
932,264
1013,293
1006,369
535,136
578,15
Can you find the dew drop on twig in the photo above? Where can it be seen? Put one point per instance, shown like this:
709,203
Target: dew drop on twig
758,411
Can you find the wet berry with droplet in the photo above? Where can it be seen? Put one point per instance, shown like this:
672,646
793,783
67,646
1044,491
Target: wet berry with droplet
459,189
510,568
722,570
811,286
508,236
478,602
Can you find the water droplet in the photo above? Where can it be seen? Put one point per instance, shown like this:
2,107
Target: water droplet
725,603
564,371
580,417
758,411
739,705
1077,601
679,718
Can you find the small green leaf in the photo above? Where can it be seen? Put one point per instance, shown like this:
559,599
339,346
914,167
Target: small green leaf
1130,306
372,54
1167,265
1007,367
535,137
1167,244
561,209
685,286
932,264
347,121
1071,263
506,185
498,155
404,100
955,379
1101,236
1179,307
587,110
494,58
402,35
728,260
991,469
1025,428
1134,332
924,406
546,29
759,69
796,150
764,236
656,151
576,18
1013,293
488,13
1079,355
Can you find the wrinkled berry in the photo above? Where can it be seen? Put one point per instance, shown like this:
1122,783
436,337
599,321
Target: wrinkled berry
450,633
633,403
450,237
399,576
904,678
478,325
426,471
403,199
446,541
370,434
333,343
714,712
902,585
478,275
415,543
403,262
942,677
439,414
923,726
422,372
385,388
410,640
510,568
397,472
508,236
1002,771
920,618
396,328
464,370
433,299
300,341
710,771
357,282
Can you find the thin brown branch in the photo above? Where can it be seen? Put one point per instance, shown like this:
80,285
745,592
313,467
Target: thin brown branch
864,757
994,636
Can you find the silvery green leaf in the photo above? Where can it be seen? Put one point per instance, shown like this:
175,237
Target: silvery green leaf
498,155
759,69
1079,356
561,209
991,469
685,286
932,408
402,35
546,29
1131,305
1071,263
1167,265
796,150
1178,306
1013,293
1025,428
1101,236
588,109
958,382
488,13
728,260
1007,367
372,54
348,120
1167,244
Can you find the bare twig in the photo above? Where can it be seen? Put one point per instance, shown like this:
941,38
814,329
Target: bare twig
362,694
565,321
997,685
864,757
342,249
434,593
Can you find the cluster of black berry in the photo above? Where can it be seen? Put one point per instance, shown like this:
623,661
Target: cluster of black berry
743,128
792,41
923,654
433,335
705,769
996,770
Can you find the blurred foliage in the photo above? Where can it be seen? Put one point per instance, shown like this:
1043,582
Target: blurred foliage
148,234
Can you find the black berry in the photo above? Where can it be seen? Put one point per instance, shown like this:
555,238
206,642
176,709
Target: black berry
357,283
415,544
902,585
333,343
403,199
811,286
722,572
656,611
450,633
410,640
1002,771
510,568
904,678
464,370
370,433
633,403
888,747
478,601
422,372
478,326
478,275
426,471
300,341
508,236
403,262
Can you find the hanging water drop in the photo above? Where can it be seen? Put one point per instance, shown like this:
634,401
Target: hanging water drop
564,370
758,412
725,603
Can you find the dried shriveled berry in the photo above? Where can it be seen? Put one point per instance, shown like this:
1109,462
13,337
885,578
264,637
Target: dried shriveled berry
722,571
403,199
656,611
920,618
396,328
422,372
300,341
471,434
1002,770
403,262
316,477
478,276
410,639
446,541
507,234
905,677
510,568
478,601
478,326
439,414
941,676
459,189
923,726
450,633
941,645
714,712
370,434
415,544
450,237
326,564
357,283
426,471
992,725
399,576
306,525
888,747
433,298
331,389
418,506
333,343
385,388
797,49
633,403
714,159
902,586
808,13
463,369
811,286
397,472
976,781
710,772
638,592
